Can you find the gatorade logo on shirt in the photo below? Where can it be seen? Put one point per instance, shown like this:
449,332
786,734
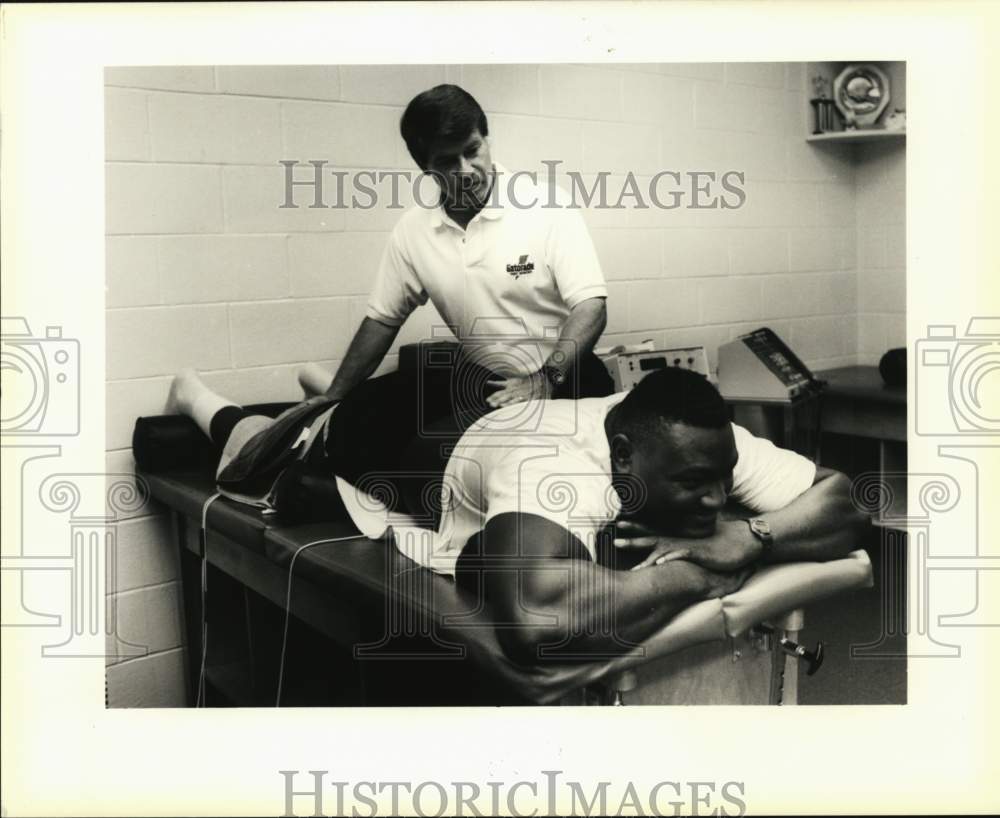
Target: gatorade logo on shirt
523,267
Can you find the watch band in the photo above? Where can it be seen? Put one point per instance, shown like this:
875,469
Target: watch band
761,529
553,375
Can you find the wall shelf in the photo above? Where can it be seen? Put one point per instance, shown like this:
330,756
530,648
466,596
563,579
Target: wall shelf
827,72
873,135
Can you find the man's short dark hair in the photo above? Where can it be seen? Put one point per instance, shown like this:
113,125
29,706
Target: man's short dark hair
444,113
671,395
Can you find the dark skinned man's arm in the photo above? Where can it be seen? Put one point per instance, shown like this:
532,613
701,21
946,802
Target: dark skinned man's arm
550,591
820,524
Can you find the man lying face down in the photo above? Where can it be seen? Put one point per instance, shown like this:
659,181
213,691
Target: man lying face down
541,503
531,515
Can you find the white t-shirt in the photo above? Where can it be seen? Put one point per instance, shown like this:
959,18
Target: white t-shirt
552,459
505,284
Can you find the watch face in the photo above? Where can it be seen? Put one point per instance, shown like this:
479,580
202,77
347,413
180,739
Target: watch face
761,527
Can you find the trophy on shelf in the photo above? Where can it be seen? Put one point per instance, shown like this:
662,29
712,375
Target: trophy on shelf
861,93
822,104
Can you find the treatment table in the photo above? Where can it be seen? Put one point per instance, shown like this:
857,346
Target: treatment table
379,629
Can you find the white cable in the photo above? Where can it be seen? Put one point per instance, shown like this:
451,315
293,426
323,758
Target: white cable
288,604
200,700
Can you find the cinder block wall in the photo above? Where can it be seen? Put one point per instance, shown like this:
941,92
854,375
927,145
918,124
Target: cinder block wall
205,270
881,218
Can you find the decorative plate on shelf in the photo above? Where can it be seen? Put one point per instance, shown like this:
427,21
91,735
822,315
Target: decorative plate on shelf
861,93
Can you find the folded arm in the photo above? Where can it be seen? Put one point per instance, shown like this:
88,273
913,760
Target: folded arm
820,524
542,585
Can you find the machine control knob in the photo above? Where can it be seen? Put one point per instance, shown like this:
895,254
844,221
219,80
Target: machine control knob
812,658
761,633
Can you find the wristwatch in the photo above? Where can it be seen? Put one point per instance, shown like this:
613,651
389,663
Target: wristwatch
554,376
761,529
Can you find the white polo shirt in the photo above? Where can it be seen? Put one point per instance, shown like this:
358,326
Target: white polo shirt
505,284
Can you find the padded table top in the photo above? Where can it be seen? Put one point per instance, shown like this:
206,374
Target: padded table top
367,572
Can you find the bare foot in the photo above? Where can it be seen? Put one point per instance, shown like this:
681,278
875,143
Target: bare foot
186,386
314,380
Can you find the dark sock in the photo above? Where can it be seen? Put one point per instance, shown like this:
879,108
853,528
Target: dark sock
223,422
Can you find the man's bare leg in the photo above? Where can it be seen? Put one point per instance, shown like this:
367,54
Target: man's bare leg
190,396
314,380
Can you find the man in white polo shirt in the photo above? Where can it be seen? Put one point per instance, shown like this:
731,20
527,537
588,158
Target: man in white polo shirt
518,282
507,282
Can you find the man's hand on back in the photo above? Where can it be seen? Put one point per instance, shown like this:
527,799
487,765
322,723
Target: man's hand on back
519,388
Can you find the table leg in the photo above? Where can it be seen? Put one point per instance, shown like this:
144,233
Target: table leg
790,688
190,578
785,667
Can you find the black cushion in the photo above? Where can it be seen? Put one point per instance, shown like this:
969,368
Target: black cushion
892,367
171,443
